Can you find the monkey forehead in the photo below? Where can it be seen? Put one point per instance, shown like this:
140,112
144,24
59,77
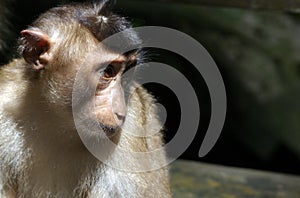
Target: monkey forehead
104,56
96,17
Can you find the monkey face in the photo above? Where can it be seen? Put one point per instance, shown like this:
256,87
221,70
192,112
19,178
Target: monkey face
99,88
58,54
110,107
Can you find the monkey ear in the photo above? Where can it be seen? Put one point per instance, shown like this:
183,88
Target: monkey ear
35,44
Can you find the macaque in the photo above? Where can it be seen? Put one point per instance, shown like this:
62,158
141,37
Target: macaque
41,153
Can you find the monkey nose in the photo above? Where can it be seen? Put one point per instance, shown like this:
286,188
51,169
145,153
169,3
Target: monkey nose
120,118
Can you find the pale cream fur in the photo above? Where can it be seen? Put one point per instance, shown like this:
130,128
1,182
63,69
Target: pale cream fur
41,154
41,157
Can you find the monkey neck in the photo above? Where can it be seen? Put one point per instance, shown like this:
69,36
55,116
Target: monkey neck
46,124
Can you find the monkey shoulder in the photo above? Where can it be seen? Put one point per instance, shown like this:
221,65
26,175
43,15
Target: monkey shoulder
142,119
144,103
11,138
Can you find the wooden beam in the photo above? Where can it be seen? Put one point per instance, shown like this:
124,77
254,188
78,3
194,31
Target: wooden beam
195,179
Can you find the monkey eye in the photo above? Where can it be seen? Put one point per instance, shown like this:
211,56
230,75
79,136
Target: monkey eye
109,72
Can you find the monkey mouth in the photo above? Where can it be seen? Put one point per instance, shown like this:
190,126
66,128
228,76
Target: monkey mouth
109,130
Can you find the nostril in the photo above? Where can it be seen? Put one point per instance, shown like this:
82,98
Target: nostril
120,117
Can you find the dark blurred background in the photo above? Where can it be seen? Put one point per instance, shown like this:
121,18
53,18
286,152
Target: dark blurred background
257,52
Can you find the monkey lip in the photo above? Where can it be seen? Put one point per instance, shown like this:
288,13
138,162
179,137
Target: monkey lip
109,130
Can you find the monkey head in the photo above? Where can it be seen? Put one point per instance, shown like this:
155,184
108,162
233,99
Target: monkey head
66,38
